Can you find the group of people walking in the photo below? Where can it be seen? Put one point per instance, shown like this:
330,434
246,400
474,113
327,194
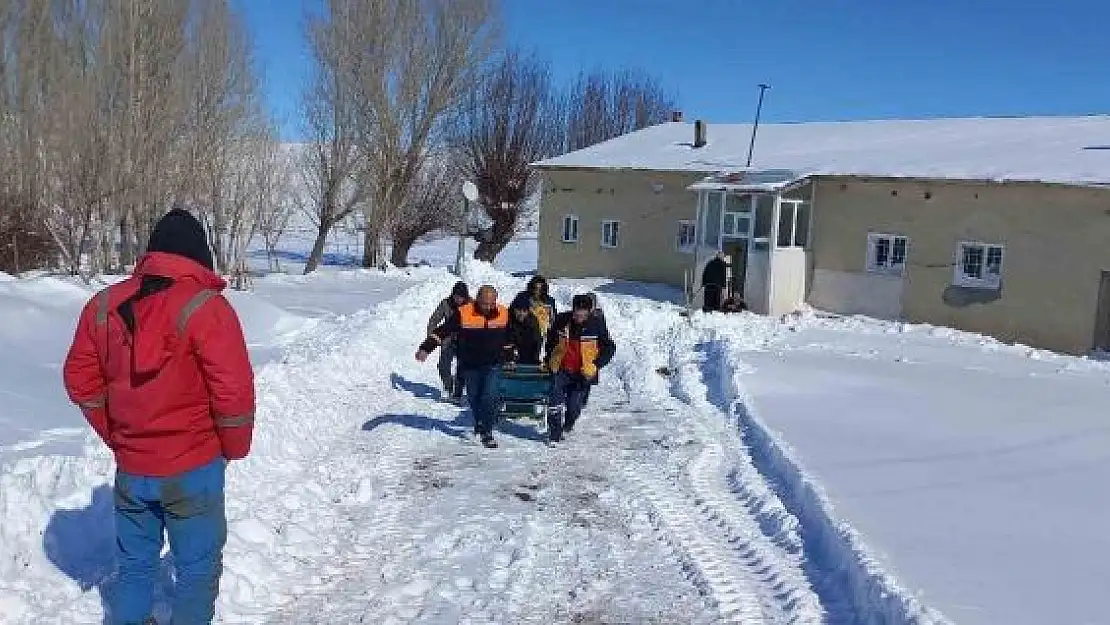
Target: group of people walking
484,336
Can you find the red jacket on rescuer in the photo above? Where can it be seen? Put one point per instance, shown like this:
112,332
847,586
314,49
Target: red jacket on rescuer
160,368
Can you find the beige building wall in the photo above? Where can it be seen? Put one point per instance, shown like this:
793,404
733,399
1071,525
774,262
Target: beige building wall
648,205
1056,244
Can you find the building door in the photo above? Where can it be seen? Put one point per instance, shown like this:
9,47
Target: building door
737,251
1102,314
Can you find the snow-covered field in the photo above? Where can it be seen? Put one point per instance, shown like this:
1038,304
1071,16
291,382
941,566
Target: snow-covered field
942,473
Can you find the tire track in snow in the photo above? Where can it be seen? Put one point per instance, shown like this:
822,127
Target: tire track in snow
784,591
707,559
852,587
728,490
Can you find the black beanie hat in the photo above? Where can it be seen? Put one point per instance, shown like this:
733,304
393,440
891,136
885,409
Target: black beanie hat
460,290
178,232
581,302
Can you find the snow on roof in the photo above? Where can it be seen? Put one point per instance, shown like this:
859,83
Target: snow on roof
751,180
1067,150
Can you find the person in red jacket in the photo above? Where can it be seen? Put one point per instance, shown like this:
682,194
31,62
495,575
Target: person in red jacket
159,366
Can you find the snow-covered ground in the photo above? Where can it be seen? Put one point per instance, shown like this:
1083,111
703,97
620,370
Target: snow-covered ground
944,487
974,470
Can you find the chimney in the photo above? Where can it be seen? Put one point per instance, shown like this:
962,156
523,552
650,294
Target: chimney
699,134
676,116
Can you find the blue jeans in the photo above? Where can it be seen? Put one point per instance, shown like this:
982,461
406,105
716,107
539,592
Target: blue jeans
481,395
190,507
569,391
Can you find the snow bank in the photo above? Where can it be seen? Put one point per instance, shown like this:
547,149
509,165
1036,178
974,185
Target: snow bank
37,317
841,561
264,323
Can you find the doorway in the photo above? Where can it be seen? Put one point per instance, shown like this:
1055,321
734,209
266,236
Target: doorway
1102,314
737,251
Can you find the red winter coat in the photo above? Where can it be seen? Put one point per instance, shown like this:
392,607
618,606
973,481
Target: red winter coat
176,392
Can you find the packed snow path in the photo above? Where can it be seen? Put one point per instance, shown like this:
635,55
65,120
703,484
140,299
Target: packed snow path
638,517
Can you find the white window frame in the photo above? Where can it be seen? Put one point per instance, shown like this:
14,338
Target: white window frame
792,206
988,279
569,220
615,233
690,243
889,267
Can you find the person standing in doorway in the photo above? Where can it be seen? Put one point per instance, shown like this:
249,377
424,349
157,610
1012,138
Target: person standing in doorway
577,351
159,366
714,278
481,333
452,382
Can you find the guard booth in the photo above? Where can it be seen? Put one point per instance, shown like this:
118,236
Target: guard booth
761,220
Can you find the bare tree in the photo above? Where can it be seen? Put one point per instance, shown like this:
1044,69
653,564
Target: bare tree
512,120
431,206
332,168
112,109
602,105
228,131
409,63
273,195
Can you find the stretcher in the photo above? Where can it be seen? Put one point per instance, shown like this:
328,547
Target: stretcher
523,391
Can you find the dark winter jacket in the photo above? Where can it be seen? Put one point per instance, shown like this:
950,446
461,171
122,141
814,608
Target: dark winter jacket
590,338
544,307
447,306
525,340
715,273
480,338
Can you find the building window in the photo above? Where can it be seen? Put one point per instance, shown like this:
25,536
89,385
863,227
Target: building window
979,265
610,233
886,253
793,223
736,225
570,229
687,236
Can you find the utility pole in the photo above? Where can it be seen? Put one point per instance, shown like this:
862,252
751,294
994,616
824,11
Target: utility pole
758,109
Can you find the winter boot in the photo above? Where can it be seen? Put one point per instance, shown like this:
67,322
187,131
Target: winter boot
555,424
488,441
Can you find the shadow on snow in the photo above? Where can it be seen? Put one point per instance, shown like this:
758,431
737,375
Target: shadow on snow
81,543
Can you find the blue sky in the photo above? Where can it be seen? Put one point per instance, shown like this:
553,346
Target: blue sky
825,59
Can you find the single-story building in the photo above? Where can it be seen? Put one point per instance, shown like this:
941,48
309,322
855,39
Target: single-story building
993,225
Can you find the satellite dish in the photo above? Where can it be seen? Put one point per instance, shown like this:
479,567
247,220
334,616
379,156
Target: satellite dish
470,191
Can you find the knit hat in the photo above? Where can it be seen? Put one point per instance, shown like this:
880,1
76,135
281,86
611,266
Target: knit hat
460,290
521,302
581,302
179,232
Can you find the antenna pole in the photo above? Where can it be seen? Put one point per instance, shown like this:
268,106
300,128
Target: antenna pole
758,109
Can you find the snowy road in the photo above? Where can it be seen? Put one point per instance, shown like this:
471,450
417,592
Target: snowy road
649,513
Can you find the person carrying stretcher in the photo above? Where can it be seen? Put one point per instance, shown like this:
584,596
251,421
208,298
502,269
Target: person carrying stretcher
577,349
525,336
